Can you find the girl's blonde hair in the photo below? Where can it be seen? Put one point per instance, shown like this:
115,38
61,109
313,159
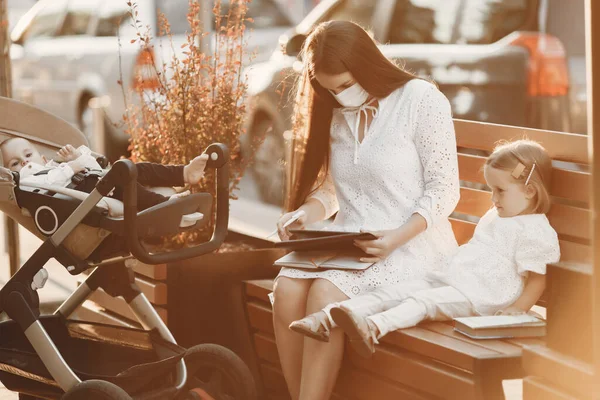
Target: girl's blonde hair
507,156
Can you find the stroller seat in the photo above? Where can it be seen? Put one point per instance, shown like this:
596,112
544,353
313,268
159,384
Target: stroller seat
51,205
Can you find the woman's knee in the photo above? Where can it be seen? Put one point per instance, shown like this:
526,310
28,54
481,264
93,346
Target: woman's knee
289,298
321,293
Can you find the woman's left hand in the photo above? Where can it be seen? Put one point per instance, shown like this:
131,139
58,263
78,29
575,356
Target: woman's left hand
380,248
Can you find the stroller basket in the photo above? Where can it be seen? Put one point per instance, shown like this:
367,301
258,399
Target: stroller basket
136,360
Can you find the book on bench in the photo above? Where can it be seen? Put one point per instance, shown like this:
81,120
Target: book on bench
345,260
500,326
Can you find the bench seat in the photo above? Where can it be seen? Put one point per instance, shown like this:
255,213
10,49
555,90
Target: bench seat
430,360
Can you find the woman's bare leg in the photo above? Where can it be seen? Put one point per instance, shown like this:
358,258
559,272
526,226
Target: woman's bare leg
321,361
289,305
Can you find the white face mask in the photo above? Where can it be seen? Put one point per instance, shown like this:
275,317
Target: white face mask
354,96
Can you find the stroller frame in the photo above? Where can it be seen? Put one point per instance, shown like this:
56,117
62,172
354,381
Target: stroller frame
19,298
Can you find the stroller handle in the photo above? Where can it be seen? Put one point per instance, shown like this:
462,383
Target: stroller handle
124,173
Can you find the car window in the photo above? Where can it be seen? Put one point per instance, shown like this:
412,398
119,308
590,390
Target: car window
262,13
112,17
78,18
176,13
359,11
47,21
457,21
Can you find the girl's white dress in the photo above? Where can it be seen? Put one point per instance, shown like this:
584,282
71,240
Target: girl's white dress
491,269
406,164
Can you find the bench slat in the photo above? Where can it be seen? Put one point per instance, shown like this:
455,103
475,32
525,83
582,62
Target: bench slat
537,388
484,136
415,371
155,291
566,220
505,349
260,317
259,289
571,221
157,272
463,230
474,202
440,347
353,382
566,184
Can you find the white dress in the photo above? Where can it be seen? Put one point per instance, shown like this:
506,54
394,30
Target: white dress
406,164
491,269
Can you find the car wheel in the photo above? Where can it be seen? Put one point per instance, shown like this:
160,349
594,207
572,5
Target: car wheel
268,165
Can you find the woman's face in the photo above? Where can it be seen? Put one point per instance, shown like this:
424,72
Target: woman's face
336,83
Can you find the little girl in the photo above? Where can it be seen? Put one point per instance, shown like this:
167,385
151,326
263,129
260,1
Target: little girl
500,270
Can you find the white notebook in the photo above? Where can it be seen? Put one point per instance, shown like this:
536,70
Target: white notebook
500,326
322,260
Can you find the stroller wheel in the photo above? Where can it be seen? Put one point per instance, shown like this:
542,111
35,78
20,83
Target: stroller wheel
96,390
217,373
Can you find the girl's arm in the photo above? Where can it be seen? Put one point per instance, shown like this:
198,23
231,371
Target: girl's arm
536,283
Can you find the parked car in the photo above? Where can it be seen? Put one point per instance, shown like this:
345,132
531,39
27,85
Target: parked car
488,57
67,51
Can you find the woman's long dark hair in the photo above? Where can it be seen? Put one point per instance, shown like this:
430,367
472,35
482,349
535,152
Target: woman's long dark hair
333,48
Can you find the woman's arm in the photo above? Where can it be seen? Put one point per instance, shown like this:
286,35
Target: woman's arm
319,206
388,241
435,142
533,290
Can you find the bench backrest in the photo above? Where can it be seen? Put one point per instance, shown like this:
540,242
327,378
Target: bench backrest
570,215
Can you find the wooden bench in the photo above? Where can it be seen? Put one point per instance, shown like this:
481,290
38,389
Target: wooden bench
431,360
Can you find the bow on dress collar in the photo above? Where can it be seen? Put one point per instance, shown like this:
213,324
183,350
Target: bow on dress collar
358,111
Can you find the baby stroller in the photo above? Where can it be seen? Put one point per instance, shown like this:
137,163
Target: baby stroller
52,357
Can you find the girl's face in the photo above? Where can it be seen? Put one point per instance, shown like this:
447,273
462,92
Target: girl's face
510,197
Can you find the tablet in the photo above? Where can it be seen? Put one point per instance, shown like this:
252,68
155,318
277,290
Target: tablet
323,240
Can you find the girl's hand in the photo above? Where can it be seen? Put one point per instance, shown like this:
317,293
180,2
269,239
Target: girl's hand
69,153
380,248
284,233
511,310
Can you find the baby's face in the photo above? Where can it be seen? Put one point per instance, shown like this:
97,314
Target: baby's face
17,153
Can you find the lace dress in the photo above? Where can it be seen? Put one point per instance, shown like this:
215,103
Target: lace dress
406,164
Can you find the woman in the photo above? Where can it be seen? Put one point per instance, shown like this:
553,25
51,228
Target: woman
382,143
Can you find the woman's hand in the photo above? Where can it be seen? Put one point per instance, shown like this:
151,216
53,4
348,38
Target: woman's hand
69,153
380,248
284,233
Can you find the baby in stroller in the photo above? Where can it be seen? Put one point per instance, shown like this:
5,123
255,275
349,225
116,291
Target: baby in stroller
81,171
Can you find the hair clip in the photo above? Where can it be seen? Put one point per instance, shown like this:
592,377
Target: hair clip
518,171
530,173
